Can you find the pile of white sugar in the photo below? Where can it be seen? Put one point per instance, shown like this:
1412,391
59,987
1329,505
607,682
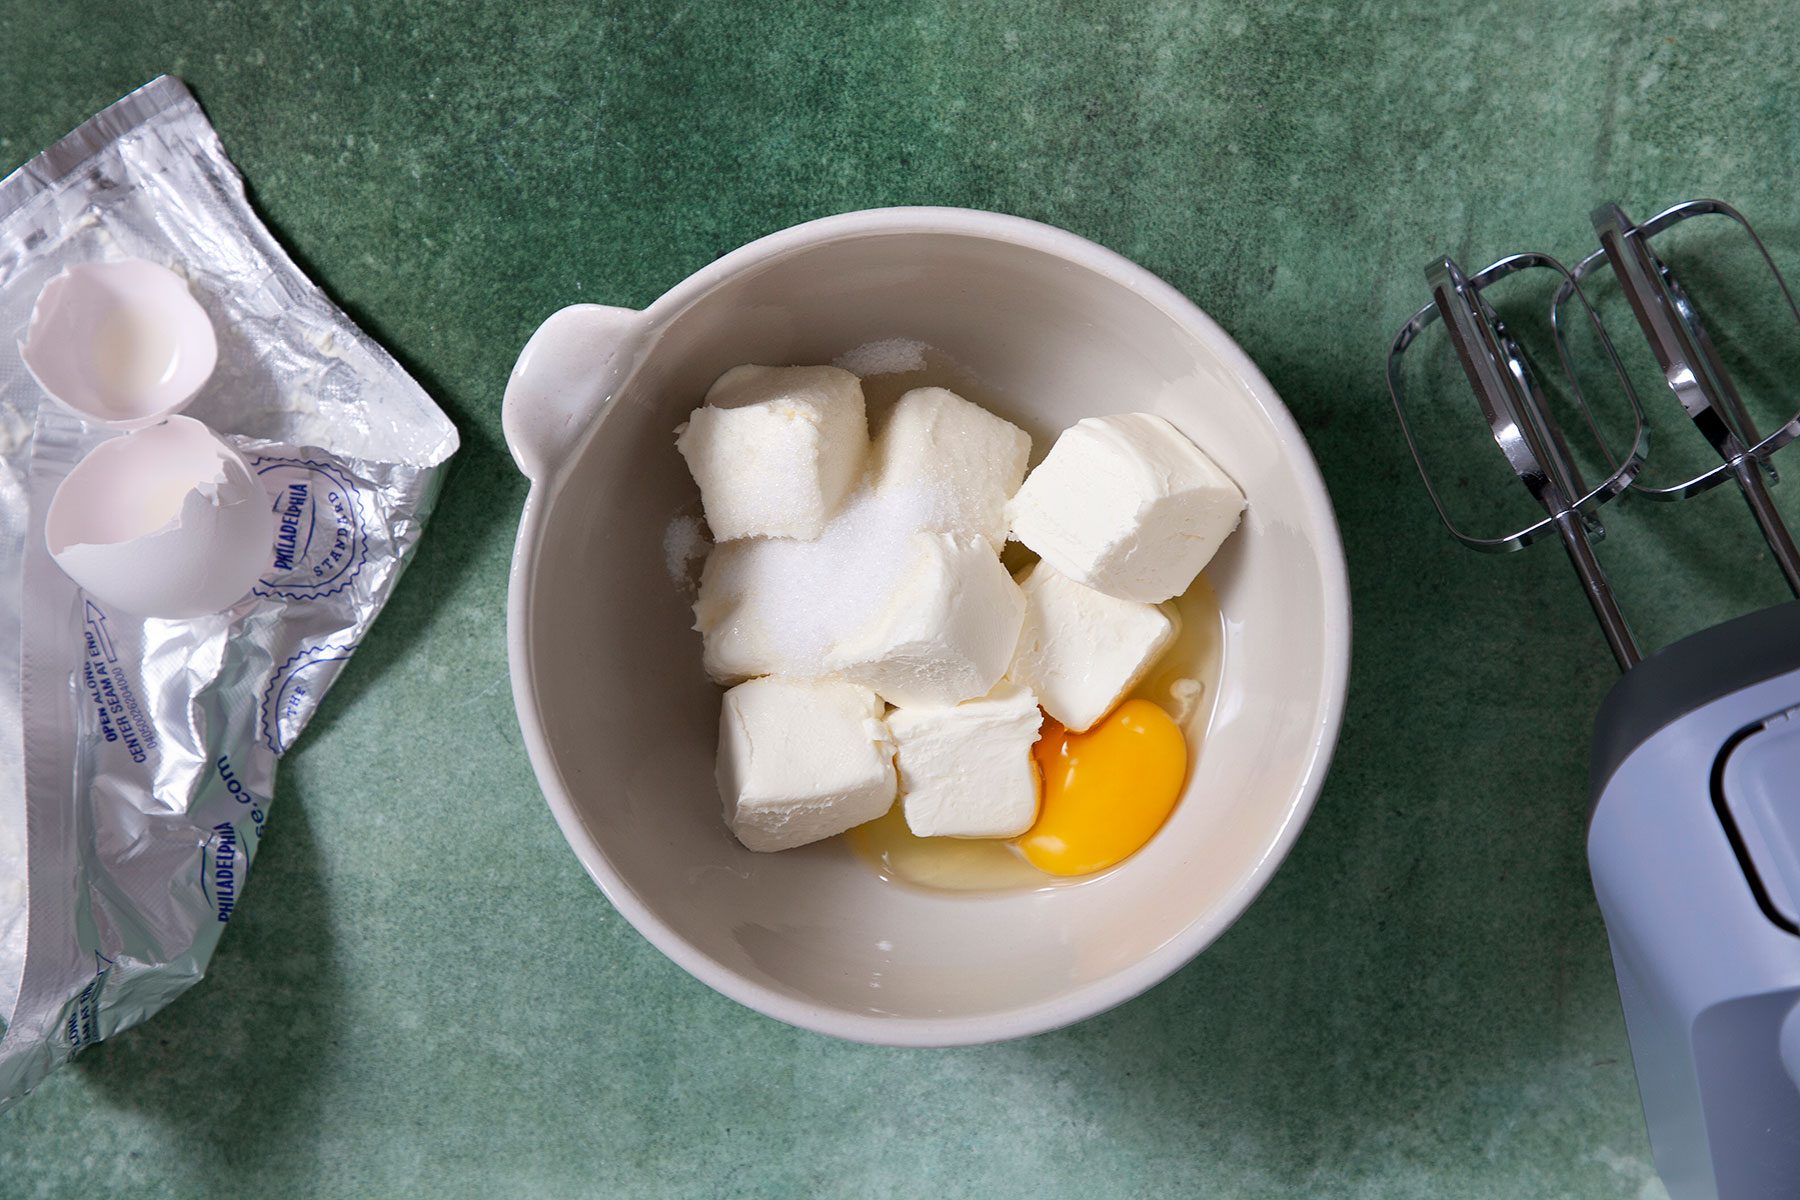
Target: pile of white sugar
805,596
684,544
890,356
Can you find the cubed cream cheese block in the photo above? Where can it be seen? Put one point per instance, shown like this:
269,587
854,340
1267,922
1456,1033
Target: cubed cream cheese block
1127,505
802,760
738,640
1081,650
966,769
963,461
946,632
744,629
776,449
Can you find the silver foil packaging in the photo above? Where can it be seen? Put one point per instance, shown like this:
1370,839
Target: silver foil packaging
137,756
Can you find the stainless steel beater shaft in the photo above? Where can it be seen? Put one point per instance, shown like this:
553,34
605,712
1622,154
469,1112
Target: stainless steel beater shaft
1694,371
1527,433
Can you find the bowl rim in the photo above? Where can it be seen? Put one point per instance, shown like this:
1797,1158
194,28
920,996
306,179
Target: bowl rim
1079,1002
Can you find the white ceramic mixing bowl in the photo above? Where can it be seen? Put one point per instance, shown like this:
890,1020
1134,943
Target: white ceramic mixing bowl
621,722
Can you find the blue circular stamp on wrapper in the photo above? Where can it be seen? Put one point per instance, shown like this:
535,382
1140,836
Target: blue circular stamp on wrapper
321,528
294,691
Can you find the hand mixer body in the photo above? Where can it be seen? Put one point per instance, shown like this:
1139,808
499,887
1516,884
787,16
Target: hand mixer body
1694,847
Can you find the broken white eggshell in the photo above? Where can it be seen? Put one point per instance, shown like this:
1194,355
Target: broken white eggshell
166,521
123,343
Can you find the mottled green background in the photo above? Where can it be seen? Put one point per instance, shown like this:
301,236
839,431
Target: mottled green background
423,993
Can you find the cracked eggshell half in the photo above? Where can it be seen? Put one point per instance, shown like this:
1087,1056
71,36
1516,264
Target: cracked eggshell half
166,521
123,343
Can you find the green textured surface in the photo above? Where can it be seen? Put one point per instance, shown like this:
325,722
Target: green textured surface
423,992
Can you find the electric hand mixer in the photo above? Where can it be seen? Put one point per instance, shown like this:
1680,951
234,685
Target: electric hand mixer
1694,836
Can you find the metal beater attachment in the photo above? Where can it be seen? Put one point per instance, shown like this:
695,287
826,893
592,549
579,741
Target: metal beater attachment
1523,426
1690,361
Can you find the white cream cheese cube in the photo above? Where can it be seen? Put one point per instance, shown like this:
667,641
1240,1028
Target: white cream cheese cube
966,769
1127,505
741,635
802,760
1081,650
775,449
964,461
946,632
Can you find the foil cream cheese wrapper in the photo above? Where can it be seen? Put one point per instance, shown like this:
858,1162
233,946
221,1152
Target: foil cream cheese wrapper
138,755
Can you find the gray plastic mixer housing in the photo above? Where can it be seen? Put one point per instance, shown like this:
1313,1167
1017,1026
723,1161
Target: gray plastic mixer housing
1694,845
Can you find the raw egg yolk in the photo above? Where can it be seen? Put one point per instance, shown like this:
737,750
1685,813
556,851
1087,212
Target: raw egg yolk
1106,791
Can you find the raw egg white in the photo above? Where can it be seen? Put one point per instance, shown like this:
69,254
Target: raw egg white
167,521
